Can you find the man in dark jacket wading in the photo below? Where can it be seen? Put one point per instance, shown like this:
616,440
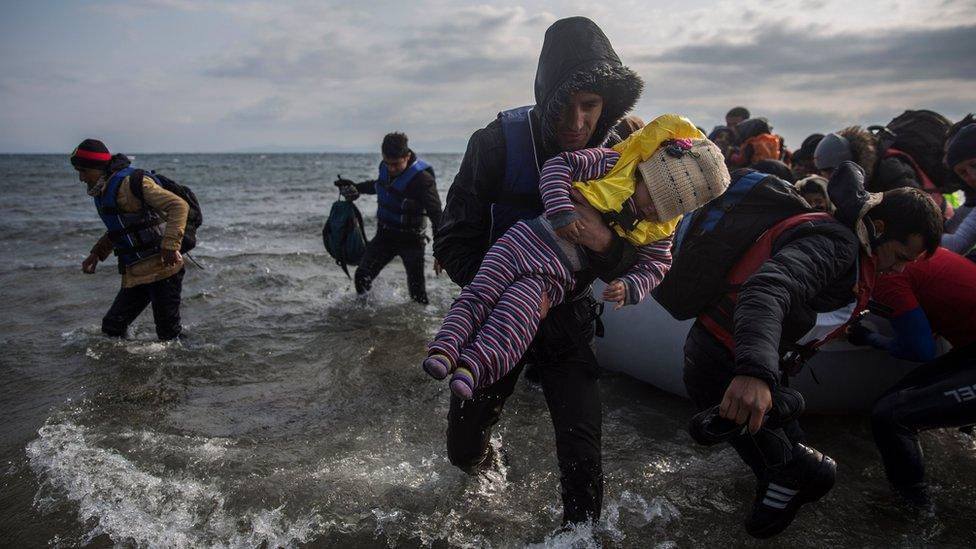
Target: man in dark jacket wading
581,91
405,193
813,267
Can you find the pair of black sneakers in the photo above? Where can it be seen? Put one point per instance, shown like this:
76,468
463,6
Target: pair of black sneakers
805,478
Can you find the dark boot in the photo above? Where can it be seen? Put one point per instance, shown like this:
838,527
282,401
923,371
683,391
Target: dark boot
804,479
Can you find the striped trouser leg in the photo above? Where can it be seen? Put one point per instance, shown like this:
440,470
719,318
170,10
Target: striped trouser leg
468,312
471,308
509,329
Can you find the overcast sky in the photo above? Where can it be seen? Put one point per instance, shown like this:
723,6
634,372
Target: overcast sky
209,76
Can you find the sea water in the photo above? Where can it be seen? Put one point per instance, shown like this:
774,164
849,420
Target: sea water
294,414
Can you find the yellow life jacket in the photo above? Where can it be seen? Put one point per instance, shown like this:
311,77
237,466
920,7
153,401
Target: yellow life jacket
610,192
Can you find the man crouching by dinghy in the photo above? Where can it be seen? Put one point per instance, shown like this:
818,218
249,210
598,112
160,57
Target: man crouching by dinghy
146,225
787,263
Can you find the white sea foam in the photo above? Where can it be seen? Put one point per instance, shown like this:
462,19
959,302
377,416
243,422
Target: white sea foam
631,508
150,509
199,449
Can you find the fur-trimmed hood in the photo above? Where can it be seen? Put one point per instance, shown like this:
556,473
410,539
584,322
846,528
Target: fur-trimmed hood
864,148
576,55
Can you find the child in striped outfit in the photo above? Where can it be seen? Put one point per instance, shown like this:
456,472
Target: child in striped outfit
493,321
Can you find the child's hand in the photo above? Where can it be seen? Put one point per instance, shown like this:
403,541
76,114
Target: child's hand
615,292
571,231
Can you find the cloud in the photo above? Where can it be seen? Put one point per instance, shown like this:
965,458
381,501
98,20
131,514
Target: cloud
774,51
813,78
233,74
452,46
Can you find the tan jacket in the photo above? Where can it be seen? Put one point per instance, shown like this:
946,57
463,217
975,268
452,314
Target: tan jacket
172,208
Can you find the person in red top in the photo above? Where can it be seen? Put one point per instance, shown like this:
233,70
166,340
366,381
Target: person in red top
929,296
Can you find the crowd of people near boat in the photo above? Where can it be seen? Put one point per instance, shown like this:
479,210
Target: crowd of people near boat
728,227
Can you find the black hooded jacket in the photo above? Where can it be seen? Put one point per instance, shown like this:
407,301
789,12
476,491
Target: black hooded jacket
576,56
812,269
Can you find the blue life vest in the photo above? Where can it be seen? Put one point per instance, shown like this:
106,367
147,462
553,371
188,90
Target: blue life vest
519,196
136,235
393,207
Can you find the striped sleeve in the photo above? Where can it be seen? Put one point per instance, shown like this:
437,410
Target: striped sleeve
558,175
653,262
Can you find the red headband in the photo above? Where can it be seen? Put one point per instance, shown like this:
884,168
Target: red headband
92,155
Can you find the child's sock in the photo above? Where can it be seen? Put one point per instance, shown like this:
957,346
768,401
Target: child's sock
462,382
437,366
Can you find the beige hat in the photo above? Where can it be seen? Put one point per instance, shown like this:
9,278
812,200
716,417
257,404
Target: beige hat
684,175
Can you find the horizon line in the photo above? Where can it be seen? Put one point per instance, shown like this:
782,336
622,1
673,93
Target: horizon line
223,152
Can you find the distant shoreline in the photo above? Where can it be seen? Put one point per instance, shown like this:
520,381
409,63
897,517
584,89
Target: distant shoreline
229,152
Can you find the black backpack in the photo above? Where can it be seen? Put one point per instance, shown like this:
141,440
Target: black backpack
343,234
709,241
194,217
921,134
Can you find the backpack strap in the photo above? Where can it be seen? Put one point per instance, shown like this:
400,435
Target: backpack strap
135,184
732,196
718,319
797,355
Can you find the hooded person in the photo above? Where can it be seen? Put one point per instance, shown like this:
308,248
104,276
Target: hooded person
628,125
813,189
735,352
581,92
643,185
960,157
756,142
882,172
775,167
803,165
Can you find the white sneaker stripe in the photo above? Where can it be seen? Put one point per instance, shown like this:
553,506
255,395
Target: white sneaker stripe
778,497
782,489
775,504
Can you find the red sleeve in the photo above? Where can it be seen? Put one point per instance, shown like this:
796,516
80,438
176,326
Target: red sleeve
895,290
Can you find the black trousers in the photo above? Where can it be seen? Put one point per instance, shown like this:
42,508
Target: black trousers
130,302
707,374
386,245
940,393
569,374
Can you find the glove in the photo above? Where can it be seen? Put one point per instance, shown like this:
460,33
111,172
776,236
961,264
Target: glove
857,334
347,189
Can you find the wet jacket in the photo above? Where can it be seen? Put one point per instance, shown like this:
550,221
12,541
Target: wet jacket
813,268
172,208
576,55
418,199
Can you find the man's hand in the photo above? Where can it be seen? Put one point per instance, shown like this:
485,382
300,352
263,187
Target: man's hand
170,257
571,231
89,264
347,188
857,334
615,292
746,400
437,267
595,234
544,306
349,192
